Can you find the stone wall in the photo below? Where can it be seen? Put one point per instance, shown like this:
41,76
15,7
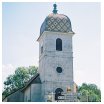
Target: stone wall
50,59
32,93
36,93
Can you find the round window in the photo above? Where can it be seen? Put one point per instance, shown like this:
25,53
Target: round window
59,69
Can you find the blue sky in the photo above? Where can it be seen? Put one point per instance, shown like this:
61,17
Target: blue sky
21,28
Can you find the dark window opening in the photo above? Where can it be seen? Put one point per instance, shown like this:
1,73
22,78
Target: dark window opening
41,49
59,69
58,44
58,92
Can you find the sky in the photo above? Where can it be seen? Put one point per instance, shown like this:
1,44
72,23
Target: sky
21,27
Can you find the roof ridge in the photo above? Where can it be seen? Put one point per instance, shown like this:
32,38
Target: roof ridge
29,82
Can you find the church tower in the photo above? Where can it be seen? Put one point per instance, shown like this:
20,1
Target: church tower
56,57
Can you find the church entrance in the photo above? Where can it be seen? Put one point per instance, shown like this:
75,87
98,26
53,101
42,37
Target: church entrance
58,94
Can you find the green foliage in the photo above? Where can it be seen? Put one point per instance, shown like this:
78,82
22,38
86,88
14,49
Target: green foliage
18,79
89,93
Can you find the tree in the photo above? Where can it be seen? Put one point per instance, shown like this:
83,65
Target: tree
18,79
89,93
32,70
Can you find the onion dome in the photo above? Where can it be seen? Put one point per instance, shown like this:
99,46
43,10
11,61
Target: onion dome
55,22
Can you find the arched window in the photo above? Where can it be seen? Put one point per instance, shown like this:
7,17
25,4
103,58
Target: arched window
41,49
58,44
58,92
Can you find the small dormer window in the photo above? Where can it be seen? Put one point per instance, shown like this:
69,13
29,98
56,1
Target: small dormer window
58,44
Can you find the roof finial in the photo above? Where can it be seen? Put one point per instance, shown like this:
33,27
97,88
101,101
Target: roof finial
55,8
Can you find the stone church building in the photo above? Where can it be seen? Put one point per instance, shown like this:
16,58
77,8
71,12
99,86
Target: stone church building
54,80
